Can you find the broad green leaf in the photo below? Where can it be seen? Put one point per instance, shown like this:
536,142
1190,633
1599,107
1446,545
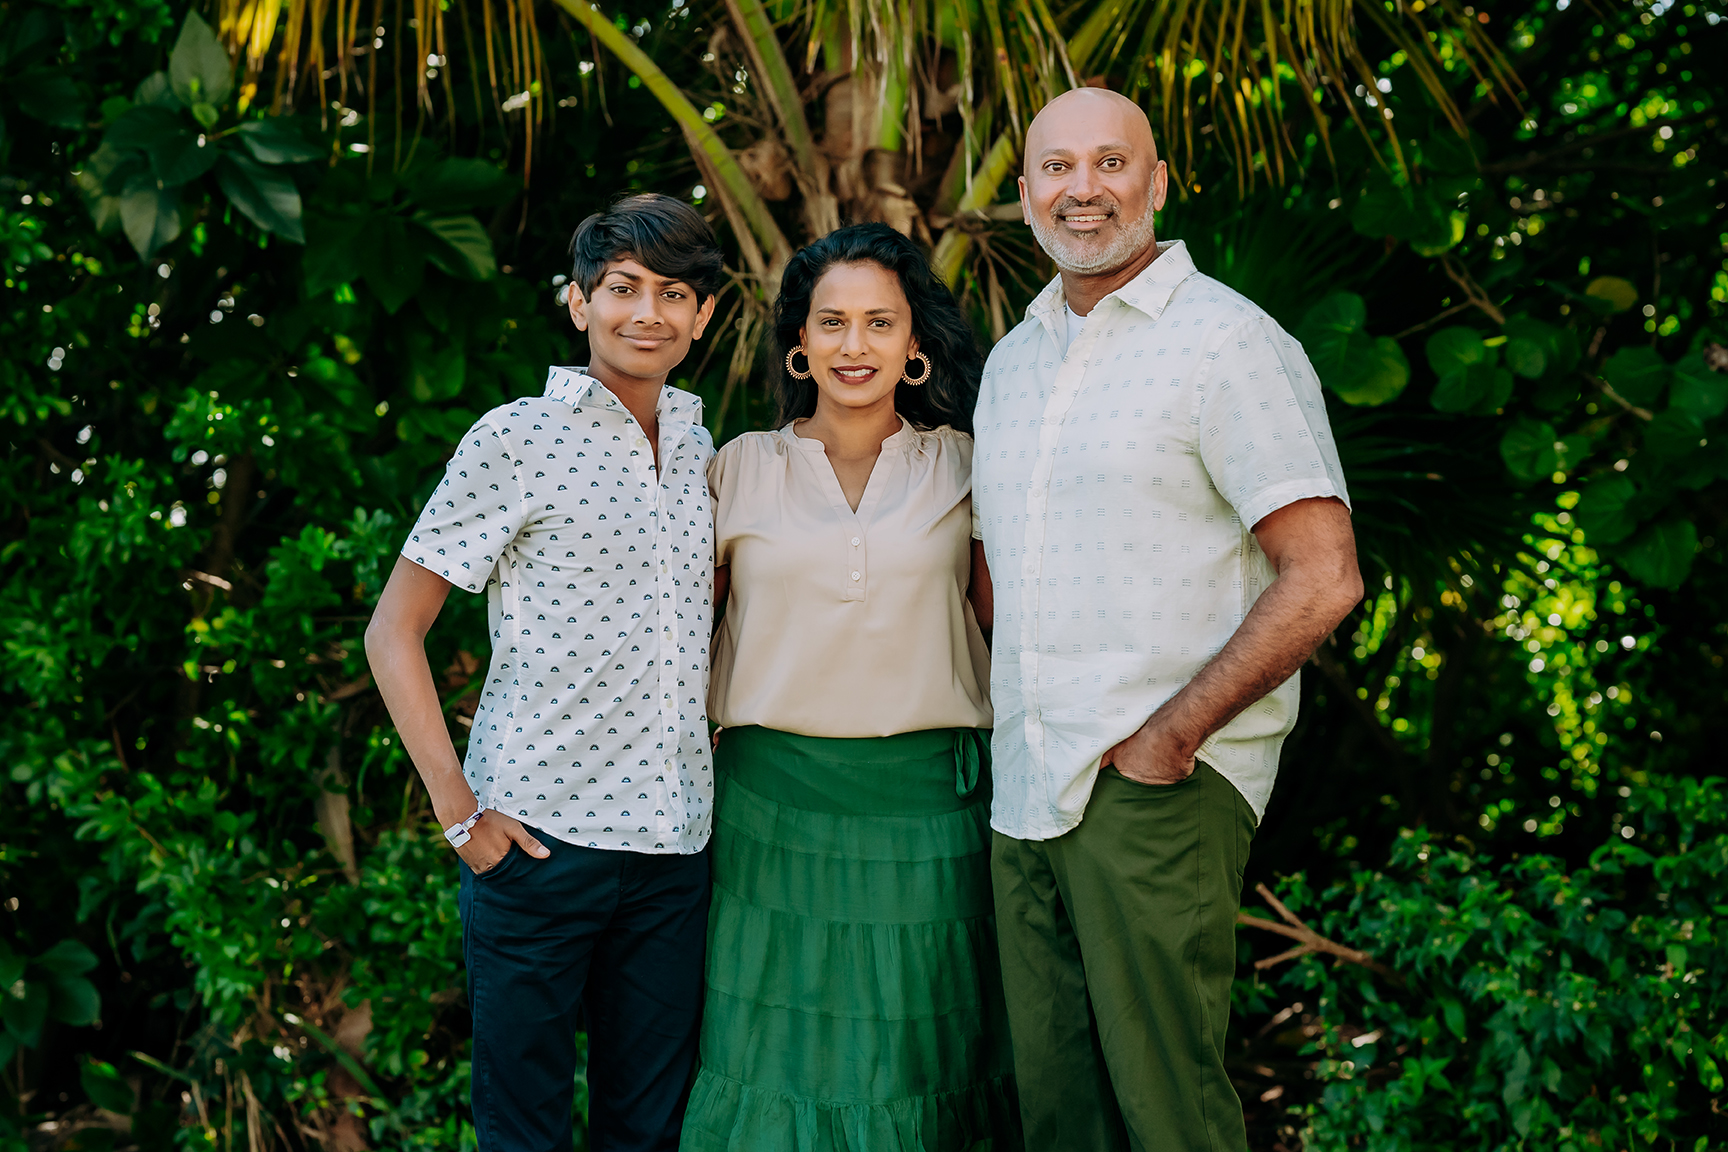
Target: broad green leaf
1661,553
24,1015
1446,151
1454,1015
144,127
103,1084
1404,213
393,261
462,248
1452,349
1441,233
74,1000
28,32
1374,371
11,966
50,95
332,251
1480,389
1526,357
1615,293
67,958
458,185
199,68
156,89
1673,435
1528,447
1574,450
150,214
1604,510
434,373
276,141
267,198
1697,389
183,157
1639,374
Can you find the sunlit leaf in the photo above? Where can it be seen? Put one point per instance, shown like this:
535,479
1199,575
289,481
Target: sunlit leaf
105,1087
199,68
1615,293
461,246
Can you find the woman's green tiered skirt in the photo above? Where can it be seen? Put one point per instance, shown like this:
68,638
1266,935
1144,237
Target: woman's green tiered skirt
854,996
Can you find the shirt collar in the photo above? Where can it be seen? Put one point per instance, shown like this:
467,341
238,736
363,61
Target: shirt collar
1147,292
811,444
575,387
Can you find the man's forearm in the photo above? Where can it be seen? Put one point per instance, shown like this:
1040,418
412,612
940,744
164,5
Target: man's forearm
1289,620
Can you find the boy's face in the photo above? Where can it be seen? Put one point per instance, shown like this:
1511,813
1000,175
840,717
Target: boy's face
639,323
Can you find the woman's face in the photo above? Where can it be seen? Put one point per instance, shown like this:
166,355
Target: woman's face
858,335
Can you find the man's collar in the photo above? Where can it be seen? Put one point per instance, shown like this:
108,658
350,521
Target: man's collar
575,387
1148,292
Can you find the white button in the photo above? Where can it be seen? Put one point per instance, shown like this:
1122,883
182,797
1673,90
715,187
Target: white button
856,576
854,541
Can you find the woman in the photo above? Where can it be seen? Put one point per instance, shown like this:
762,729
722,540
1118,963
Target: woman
854,994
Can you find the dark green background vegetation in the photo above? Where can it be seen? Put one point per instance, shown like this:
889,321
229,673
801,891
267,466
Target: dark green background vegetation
239,346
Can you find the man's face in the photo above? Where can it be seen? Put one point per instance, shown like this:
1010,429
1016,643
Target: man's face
1093,181
639,323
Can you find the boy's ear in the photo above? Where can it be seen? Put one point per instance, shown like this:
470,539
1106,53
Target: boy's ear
578,308
704,313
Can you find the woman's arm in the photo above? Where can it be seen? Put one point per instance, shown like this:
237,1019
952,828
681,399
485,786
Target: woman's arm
980,593
722,589
396,650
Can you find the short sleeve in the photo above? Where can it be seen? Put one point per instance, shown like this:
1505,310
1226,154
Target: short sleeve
722,462
474,513
1263,432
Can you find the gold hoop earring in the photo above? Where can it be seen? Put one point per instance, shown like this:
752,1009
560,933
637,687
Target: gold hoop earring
793,372
927,370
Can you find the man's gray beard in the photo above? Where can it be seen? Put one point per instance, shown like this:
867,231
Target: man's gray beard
1130,241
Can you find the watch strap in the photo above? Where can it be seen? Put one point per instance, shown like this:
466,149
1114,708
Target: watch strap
458,834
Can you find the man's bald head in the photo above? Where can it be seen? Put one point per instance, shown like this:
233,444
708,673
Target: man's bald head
1092,181
1082,113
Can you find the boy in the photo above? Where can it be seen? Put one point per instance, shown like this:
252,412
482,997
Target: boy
583,808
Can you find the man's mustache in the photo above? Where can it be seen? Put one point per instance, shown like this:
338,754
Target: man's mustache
1097,204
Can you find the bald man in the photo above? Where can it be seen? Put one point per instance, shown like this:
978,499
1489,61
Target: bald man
1162,508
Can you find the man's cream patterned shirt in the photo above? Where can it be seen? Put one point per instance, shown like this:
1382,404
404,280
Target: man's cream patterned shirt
592,725
1115,489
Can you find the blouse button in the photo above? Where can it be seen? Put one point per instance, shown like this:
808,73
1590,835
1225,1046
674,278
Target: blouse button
856,576
854,541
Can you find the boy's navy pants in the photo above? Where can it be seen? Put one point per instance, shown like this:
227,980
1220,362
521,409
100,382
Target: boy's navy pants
619,935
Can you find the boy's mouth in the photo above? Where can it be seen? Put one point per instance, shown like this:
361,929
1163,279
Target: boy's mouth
645,341
855,373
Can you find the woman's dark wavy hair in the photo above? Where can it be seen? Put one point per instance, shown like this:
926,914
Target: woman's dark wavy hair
950,394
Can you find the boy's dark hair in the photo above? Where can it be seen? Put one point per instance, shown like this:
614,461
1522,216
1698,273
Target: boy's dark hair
951,392
663,234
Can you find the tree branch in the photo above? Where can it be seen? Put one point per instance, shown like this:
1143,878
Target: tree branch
1309,940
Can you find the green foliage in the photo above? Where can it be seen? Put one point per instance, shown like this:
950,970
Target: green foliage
1546,1007
217,440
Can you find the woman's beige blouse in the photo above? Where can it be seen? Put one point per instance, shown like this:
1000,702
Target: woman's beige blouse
845,623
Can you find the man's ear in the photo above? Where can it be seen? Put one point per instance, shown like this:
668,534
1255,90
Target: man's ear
704,313
1025,205
1160,185
578,308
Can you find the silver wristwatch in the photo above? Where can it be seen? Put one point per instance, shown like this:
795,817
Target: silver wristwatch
458,834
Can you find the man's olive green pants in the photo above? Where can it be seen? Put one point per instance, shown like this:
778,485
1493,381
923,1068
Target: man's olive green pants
1118,948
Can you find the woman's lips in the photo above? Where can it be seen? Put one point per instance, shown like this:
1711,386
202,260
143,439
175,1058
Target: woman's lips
858,375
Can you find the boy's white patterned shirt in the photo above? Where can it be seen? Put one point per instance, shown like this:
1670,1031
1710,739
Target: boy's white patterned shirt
1115,487
592,726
